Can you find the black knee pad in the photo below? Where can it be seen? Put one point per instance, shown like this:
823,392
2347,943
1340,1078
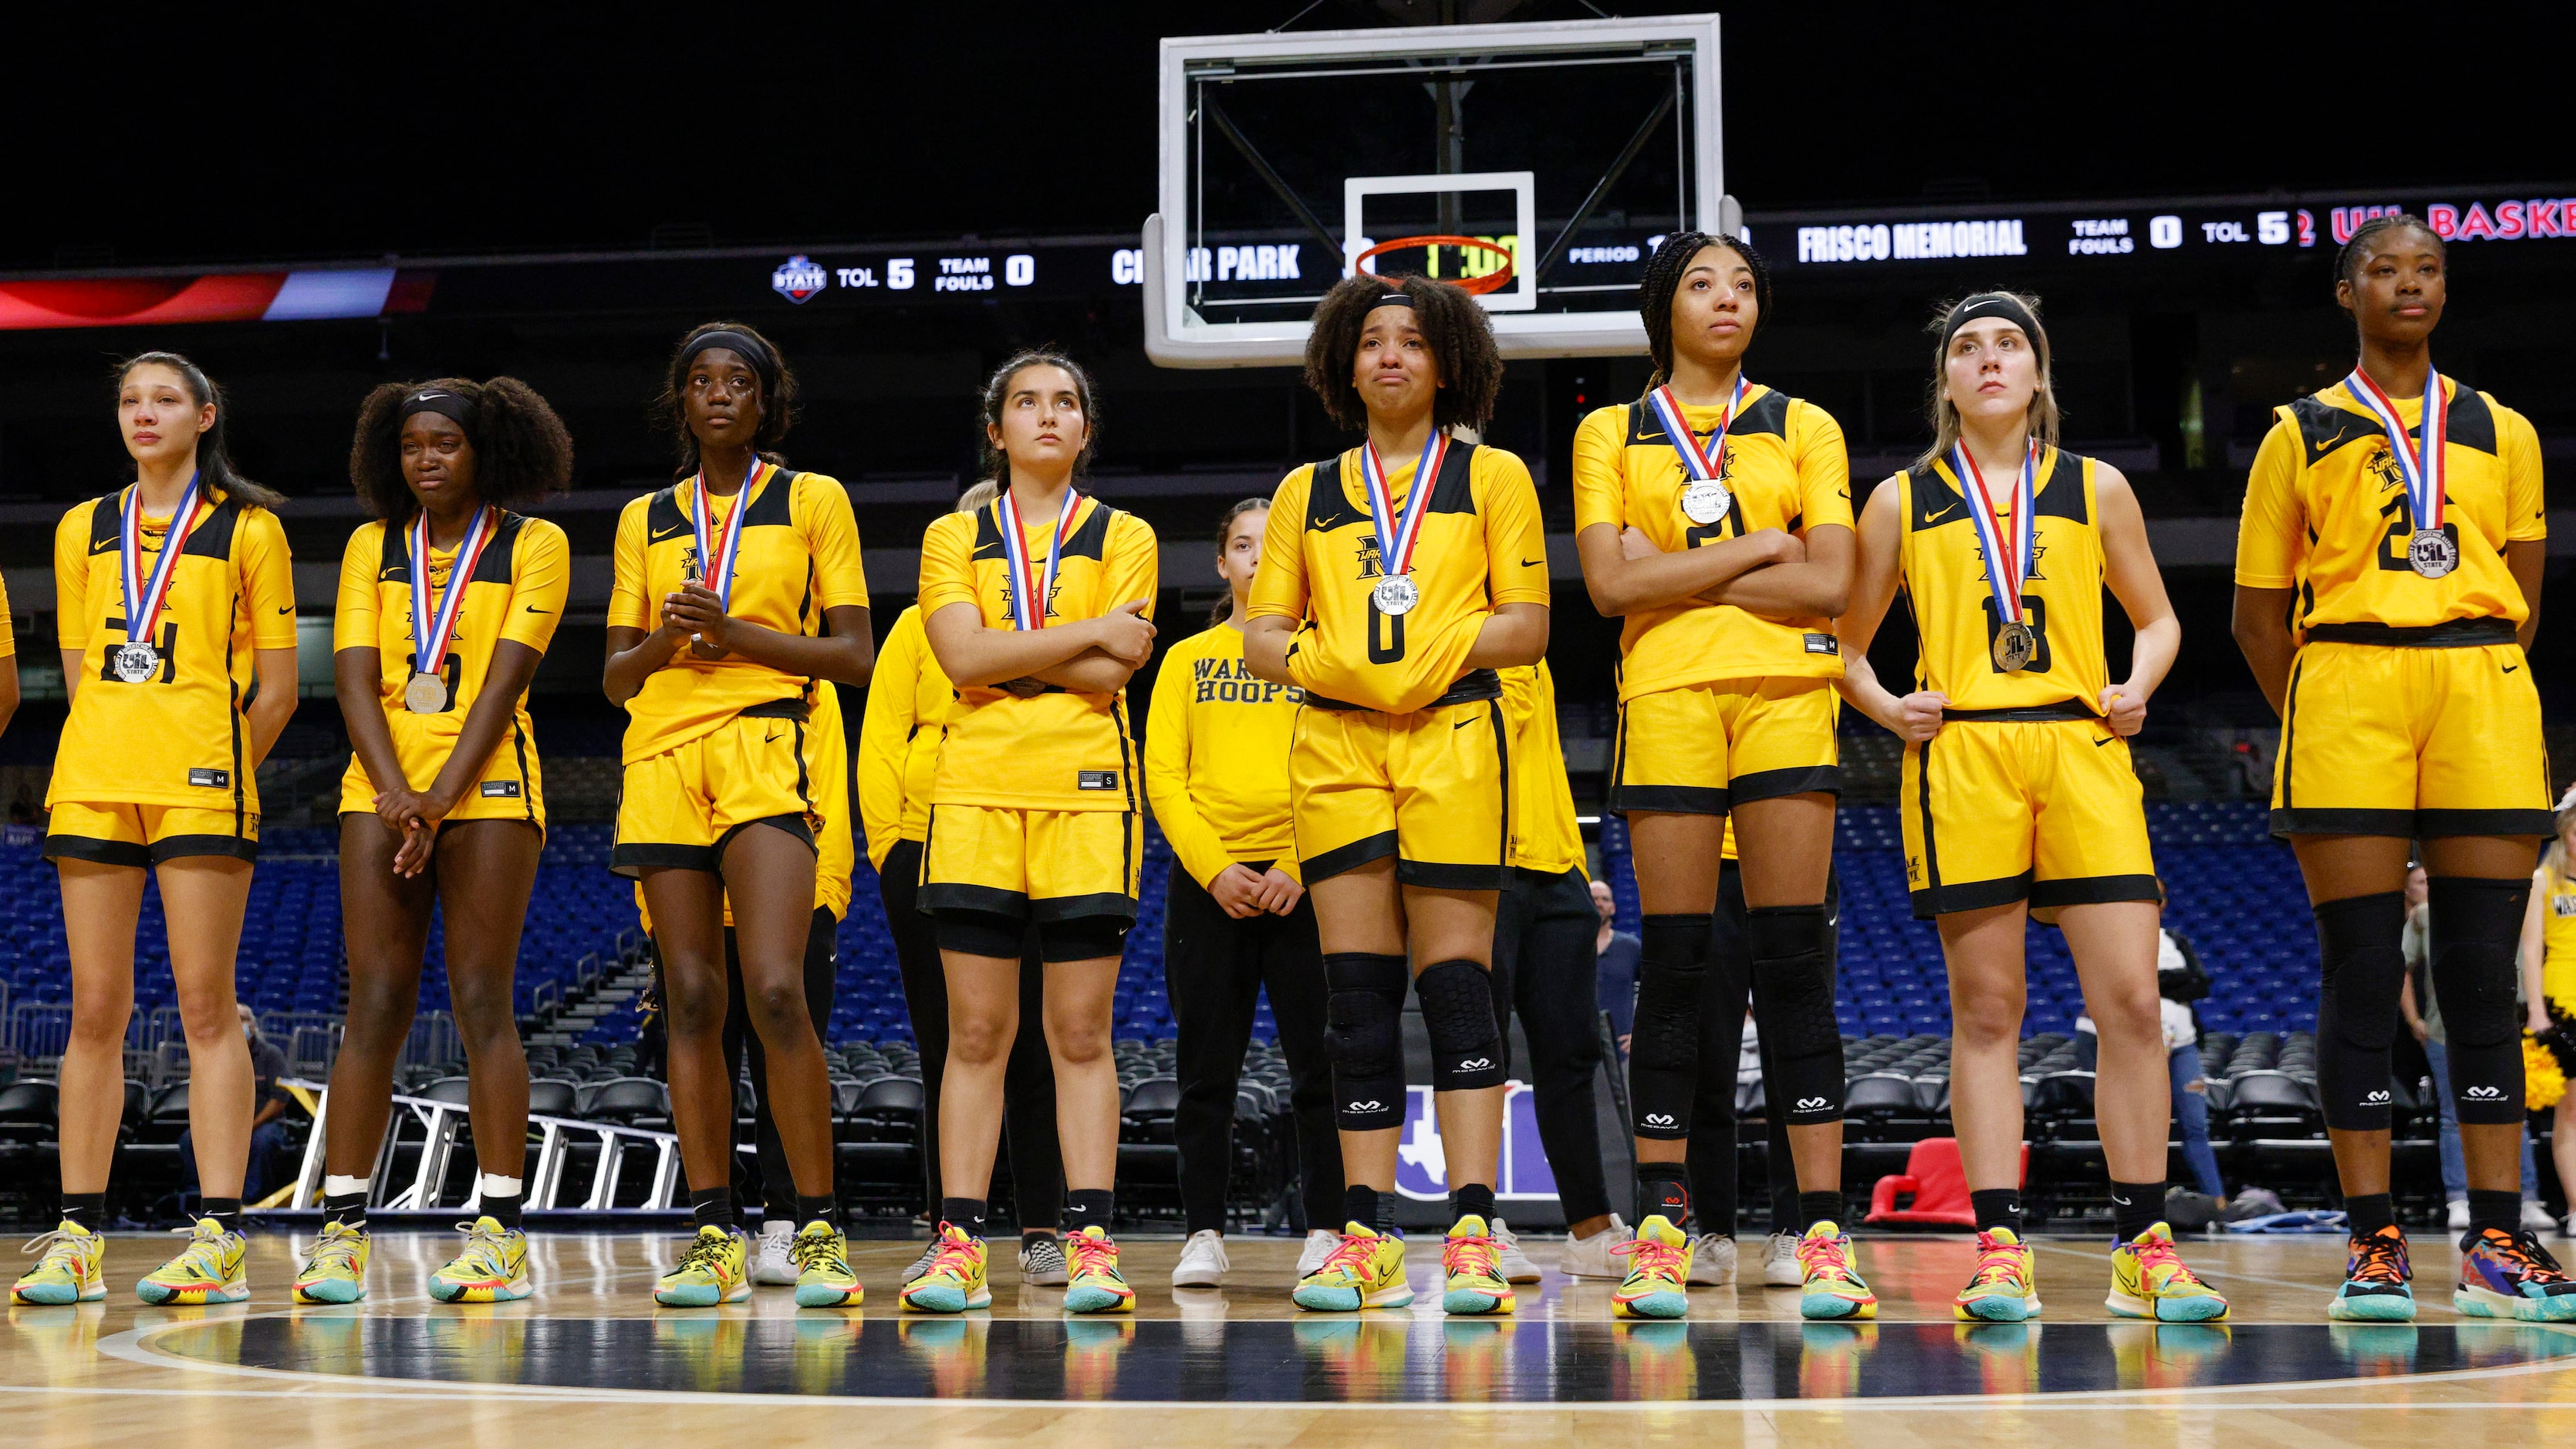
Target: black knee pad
1362,1034
2363,968
2476,929
1663,1051
1083,938
1458,1015
1793,1006
979,933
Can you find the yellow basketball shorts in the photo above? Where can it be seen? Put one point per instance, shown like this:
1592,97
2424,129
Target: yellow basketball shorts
146,835
2044,811
682,807
1032,865
1428,788
509,788
1705,748
2413,742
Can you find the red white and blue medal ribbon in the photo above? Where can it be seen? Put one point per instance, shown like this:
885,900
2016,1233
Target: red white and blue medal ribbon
1395,592
717,542
1032,580
433,616
138,659
2007,560
1705,499
2422,463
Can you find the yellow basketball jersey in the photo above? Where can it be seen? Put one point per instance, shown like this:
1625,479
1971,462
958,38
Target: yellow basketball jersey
909,705
1944,577
1545,835
1786,469
1216,757
179,737
517,593
2326,512
1059,750
1481,546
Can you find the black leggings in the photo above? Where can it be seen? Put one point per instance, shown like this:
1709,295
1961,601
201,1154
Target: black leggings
777,1184
1545,968
1214,968
1028,1082
1723,1001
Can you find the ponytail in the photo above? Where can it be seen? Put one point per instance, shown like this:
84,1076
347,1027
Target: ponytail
1223,609
215,469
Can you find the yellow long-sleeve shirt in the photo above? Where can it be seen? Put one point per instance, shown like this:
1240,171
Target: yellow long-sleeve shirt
1216,757
910,703
1545,836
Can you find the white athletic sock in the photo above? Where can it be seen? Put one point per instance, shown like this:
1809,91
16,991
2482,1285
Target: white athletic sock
337,1186
492,1185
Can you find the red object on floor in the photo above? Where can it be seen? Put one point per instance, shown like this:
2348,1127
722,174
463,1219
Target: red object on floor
1939,1185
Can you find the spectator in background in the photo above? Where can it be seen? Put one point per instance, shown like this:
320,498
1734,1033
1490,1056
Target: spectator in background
1616,953
2424,1018
269,1101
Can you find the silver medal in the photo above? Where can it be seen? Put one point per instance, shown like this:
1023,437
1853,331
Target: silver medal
2430,552
1705,501
135,663
2015,647
1396,595
426,694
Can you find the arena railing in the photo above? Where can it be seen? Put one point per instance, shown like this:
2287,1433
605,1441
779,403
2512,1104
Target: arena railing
440,1124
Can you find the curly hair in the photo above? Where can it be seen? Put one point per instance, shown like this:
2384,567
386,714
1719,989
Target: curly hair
997,391
2348,261
1224,608
778,397
214,456
521,450
1663,278
1462,347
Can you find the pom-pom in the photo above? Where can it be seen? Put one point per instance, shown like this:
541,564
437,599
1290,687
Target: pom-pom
2542,1082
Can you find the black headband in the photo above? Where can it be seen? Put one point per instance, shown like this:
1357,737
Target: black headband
1992,304
1393,299
456,407
745,345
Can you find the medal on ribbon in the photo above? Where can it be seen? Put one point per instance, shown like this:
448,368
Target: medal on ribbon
2422,464
1395,592
138,658
1032,580
2007,559
718,542
1704,498
434,615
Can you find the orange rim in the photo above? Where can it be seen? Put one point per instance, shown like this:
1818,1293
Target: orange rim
1493,281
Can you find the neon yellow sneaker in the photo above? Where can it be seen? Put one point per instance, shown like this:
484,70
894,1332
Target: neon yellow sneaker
336,1270
71,1270
2004,1288
954,1281
821,1254
1366,1271
1659,1264
208,1270
1472,1259
1831,1286
713,1272
2148,1280
1097,1286
492,1269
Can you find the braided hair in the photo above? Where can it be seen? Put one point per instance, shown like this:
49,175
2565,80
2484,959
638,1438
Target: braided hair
2348,261
1664,278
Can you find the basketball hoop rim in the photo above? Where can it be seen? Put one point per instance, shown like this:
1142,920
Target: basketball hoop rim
1473,286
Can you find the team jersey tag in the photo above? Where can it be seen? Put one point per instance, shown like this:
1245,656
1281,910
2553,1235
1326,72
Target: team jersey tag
433,616
2423,464
2015,645
500,789
1096,779
138,659
211,779
1395,594
1704,499
1822,644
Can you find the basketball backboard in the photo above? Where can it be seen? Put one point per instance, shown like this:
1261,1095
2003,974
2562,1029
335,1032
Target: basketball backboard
1548,157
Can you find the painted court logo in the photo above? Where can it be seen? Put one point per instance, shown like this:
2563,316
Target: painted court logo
799,280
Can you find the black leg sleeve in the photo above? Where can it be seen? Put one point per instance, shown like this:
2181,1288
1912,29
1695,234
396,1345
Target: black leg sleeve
2363,966
1211,972
1292,968
925,995
1793,1007
1555,986
2476,929
1664,1058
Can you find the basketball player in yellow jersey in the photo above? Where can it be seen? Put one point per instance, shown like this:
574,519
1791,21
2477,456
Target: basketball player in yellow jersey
176,606
738,593
1395,579
1715,515
1036,607
2387,585
447,601
1236,920
2549,977
2017,791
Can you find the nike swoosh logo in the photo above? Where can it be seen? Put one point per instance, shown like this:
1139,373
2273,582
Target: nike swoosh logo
1531,563
667,533
2510,668
287,609
2106,739
1462,724
533,609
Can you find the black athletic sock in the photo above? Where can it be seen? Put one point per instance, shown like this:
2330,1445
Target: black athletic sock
89,1209
1664,1187
502,1210
2501,1211
713,1208
2136,1207
1817,1207
1996,1207
1370,1209
224,1210
965,1214
1786,1203
1031,1237
826,1207
1088,1207
1474,1199
2366,1213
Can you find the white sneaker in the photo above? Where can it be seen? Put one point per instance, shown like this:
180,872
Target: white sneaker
1590,1257
1203,1263
2459,1215
1780,1262
1320,1243
2535,1218
1515,1264
1042,1263
770,1263
922,1264
1712,1261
